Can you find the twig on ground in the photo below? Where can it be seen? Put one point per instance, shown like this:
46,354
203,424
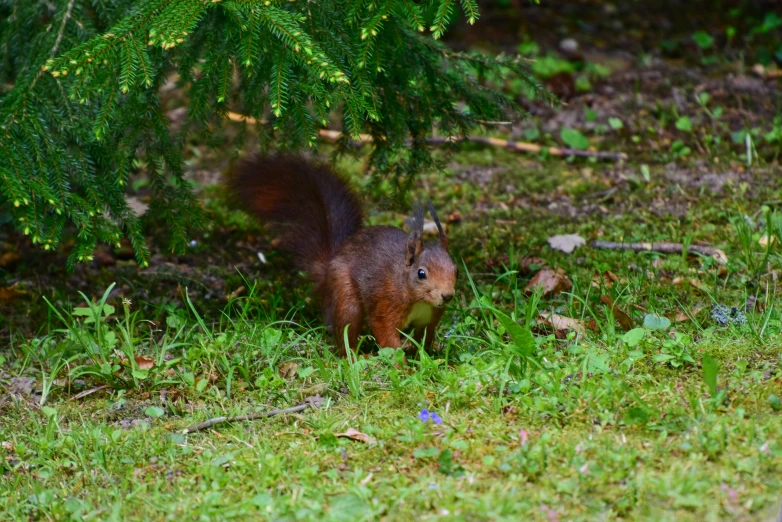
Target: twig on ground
85,393
251,416
518,146
522,146
663,248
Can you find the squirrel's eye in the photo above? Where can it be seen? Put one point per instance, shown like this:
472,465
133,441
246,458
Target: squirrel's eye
421,273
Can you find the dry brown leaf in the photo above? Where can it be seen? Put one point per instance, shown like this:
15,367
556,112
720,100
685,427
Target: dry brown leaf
352,434
144,363
22,386
531,264
550,280
606,279
288,370
454,217
561,322
9,294
624,320
314,390
698,285
765,240
720,256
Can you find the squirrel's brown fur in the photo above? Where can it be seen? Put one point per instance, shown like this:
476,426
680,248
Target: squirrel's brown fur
377,275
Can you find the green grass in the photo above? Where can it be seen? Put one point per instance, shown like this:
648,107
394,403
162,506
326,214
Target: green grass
599,425
677,421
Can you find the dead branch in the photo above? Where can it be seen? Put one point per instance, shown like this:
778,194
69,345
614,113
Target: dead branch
519,146
251,416
663,248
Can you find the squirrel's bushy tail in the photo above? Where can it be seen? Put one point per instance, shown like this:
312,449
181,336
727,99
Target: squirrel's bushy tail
311,205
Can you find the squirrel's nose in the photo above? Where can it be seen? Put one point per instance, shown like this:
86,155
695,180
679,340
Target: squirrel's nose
447,297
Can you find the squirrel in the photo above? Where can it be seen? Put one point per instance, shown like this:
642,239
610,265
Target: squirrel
378,275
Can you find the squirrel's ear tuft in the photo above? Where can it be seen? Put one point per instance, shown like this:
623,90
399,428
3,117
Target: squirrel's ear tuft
414,242
433,212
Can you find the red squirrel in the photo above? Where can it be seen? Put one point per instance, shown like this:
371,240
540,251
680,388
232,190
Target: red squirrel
378,275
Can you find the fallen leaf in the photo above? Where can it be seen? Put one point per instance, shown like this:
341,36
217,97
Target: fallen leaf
314,390
720,256
288,370
430,228
550,280
566,243
699,286
455,217
561,322
10,294
624,320
352,434
22,385
137,206
531,264
144,363
765,240
8,259
606,279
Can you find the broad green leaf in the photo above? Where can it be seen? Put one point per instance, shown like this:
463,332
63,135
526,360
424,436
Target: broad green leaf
154,411
684,124
633,337
574,139
615,123
303,373
703,39
656,322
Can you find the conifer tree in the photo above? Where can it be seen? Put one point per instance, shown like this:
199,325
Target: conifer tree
80,108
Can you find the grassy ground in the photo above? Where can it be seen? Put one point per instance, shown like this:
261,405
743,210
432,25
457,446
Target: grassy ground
655,409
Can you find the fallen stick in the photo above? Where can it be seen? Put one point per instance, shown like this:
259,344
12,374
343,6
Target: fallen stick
250,416
663,248
85,393
520,146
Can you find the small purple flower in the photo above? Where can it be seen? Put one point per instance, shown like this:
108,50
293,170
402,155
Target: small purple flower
426,416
